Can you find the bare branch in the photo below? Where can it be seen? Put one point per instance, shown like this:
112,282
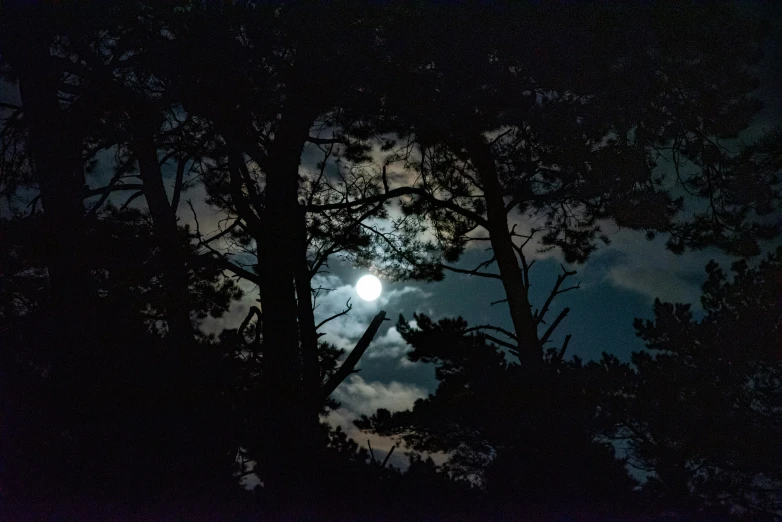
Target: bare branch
33,204
325,141
225,264
107,190
237,170
561,354
388,456
538,317
348,308
88,193
131,198
470,272
490,327
371,452
222,233
502,343
385,179
554,325
352,359
180,174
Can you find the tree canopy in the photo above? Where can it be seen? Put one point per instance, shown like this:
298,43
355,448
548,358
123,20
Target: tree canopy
177,176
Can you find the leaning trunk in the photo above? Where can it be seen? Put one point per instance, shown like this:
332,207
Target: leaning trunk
530,351
164,221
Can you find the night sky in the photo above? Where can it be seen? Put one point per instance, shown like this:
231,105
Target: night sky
617,284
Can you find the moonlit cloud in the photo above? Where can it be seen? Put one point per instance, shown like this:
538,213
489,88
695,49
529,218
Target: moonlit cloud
358,397
390,345
344,331
633,263
361,397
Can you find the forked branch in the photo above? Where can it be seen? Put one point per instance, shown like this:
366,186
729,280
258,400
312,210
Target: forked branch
348,308
539,316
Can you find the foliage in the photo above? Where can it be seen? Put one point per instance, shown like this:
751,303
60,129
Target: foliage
702,413
530,445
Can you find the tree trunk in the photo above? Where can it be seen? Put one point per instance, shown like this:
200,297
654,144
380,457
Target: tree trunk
56,154
290,440
68,322
164,221
530,351
309,337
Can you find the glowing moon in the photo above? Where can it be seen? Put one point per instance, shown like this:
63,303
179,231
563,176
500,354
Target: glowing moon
368,288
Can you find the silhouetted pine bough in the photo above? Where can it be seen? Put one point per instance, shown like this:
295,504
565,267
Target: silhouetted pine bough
387,136
699,412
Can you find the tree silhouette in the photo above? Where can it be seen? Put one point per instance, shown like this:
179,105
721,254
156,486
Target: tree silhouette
571,117
533,446
284,86
96,401
389,136
118,417
702,412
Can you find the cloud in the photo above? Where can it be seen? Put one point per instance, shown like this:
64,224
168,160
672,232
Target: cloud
380,445
236,312
361,397
650,281
390,345
358,397
344,331
633,263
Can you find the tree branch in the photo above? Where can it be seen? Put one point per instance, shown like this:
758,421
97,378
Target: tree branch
254,311
538,317
131,198
237,198
388,456
222,233
470,272
180,174
371,452
352,359
554,325
402,191
490,327
561,354
515,348
88,193
232,267
348,308
325,141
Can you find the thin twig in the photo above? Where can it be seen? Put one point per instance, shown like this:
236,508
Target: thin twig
490,327
470,272
348,308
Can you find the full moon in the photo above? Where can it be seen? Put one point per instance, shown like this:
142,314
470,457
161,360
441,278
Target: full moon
368,288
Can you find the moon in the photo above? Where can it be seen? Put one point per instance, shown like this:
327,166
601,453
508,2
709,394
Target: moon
368,288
